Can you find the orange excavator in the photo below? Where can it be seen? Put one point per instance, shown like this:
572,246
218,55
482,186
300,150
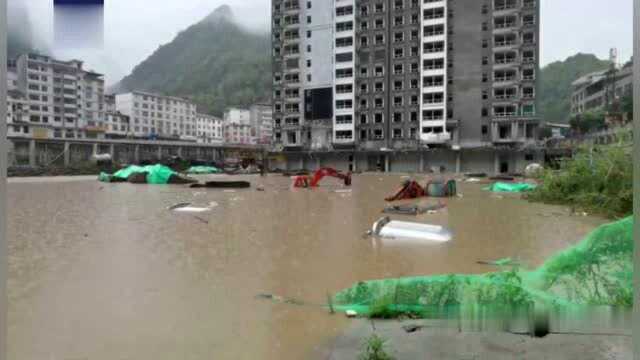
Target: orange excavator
304,181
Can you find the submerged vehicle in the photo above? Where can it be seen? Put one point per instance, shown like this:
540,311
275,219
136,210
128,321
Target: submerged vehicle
392,231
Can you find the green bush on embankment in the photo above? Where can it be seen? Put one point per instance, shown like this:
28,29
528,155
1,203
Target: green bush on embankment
597,179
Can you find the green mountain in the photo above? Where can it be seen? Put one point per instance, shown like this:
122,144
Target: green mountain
216,63
555,87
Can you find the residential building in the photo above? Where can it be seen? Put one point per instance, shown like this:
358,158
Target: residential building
209,129
406,75
17,114
593,91
262,123
62,95
158,116
237,127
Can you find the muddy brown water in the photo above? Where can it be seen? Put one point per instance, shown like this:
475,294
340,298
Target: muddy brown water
104,271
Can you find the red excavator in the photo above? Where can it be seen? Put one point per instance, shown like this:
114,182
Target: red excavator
304,181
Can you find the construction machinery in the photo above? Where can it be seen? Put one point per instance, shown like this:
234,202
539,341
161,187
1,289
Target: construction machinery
312,181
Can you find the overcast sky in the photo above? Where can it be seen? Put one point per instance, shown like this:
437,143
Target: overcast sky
136,28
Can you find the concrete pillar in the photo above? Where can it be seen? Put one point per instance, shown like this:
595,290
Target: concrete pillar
458,162
95,148
422,162
67,154
199,153
387,163
32,153
496,163
11,153
179,151
112,151
159,153
136,154
355,162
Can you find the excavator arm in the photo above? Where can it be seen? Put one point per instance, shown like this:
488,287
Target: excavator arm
321,173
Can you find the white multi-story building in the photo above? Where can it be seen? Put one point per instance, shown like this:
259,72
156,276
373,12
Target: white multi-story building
237,127
153,115
262,122
17,114
209,129
61,95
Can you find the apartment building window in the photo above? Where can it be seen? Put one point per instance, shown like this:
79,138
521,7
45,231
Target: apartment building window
485,43
399,4
485,112
485,94
398,85
364,71
363,103
363,88
398,20
343,42
344,10
485,77
485,26
485,60
379,71
414,83
397,117
378,134
379,23
415,19
363,134
397,133
379,86
364,41
397,101
398,36
379,102
379,39
344,104
398,53
398,69
379,7
363,119
485,9
364,10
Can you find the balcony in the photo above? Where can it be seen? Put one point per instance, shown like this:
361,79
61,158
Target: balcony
434,138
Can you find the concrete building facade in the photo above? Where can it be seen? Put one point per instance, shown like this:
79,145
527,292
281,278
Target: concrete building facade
406,76
61,95
262,123
593,91
209,129
157,116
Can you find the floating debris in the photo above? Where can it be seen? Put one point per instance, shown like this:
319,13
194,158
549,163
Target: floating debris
188,208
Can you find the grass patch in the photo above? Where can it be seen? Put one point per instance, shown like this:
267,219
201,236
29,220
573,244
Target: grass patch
374,349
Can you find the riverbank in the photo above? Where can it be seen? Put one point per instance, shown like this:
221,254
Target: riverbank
435,342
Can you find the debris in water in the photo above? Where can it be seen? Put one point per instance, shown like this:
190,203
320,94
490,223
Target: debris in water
259,188
351,313
412,328
201,220
188,208
343,191
229,191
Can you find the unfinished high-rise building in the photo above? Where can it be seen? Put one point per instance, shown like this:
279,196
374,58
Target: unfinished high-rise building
406,85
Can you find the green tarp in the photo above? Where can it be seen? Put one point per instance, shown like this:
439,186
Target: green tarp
156,174
510,187
203,170
597,271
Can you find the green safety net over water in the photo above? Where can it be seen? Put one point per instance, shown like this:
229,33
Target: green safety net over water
203,170
511,187
597,271
156,174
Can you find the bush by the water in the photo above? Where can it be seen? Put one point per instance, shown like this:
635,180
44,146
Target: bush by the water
598,179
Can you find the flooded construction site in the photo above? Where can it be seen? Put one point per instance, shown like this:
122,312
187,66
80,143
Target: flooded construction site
106,271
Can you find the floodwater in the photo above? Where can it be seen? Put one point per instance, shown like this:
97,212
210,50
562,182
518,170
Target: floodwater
105,271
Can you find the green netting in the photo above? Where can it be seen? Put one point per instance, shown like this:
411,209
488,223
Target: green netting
203,170
597,271
510,187
156,174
